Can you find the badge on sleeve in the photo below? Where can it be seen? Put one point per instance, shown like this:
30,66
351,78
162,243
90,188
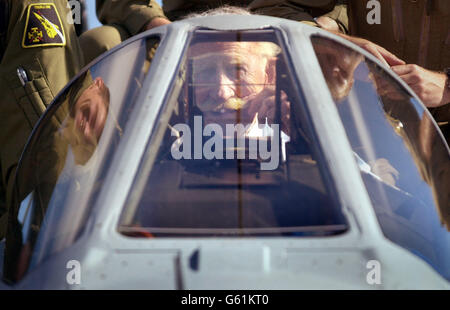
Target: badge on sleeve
43,26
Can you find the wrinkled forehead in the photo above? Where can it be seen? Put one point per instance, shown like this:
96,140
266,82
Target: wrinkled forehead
205,50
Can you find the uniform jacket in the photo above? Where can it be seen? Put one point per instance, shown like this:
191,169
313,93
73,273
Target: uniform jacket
417,31
49,57
130,14
300,10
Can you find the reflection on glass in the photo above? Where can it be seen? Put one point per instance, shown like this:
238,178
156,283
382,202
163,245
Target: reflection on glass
87,117
63,168
404,161
235,114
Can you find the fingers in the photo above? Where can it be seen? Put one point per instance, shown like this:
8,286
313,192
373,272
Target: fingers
382,167
410,78
267,108
428,85
411,75
382,54
156,22
385,171
253,107
404,69
419,74
264,105
390,58
256,105
327,23
371,49
391,170
379,52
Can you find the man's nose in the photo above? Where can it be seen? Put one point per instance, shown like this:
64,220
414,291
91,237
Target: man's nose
225,87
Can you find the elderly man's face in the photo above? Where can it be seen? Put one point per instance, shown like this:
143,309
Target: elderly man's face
227,75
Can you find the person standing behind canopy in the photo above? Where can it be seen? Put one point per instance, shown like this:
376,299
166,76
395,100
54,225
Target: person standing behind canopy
125,24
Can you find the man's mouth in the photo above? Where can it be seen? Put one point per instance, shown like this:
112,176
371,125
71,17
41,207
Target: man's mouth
232,104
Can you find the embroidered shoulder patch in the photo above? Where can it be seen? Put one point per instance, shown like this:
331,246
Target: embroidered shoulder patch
43,26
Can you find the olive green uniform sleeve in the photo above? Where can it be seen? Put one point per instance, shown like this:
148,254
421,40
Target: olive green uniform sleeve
131,14
47,63
299,10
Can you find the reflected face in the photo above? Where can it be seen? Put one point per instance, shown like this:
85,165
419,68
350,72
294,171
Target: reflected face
87,120
90,112
226,76
338,65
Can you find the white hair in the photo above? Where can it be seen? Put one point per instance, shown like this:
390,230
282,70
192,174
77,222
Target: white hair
223,10
267,49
